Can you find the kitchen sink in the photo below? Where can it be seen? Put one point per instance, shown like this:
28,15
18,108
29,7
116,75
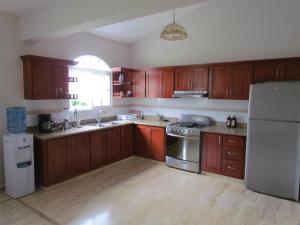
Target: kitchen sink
108,124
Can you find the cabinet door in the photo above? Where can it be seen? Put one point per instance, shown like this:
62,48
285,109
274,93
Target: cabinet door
141,140
114,144
183,79
219,82
158,144
57,161
139,84
200,79
60,74
78,154
242,77
290,71
98,150
153,83
211,152
167,83
43,80
266,72
126,141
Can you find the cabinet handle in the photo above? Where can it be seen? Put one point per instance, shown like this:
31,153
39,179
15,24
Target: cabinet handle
219,139
277,74
231,168
226,93
56,92
232,153
232,141
61,91
230,92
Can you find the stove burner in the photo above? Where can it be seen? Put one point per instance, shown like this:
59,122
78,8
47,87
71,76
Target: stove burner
190,125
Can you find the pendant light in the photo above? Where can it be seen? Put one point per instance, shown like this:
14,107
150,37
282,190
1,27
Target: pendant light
173,31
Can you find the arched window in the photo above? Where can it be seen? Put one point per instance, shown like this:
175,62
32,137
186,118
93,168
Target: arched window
93,84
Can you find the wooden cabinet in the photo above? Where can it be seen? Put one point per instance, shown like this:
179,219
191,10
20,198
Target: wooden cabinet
211,152
113,144
223,154
192,78
230,81
160,83
139,84
46,78
57,157
98,149
126,141
157,140
150,142
78,154
281,70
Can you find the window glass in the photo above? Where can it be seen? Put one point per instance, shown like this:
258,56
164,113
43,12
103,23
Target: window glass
93,84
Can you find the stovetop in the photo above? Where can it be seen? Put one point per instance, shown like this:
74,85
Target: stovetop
185,128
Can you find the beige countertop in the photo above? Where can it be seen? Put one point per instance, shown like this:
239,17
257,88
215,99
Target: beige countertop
219,129
91,128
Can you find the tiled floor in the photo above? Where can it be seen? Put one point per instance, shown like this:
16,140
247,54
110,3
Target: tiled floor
139,191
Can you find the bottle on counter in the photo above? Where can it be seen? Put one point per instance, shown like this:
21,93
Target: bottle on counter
228,121
233,122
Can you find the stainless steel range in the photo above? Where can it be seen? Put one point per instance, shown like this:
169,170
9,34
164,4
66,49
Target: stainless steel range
183,142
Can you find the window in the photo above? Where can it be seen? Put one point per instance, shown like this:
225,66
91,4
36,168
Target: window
93,84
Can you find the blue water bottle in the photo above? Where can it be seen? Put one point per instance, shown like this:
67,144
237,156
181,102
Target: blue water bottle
16,119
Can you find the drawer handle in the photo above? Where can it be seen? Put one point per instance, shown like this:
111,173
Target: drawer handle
232,153
233,141
231,168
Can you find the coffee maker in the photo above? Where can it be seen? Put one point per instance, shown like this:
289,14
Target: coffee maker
46,125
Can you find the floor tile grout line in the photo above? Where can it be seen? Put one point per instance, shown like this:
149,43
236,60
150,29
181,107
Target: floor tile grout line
47,218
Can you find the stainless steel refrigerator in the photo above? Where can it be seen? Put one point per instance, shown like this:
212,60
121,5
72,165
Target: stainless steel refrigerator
273,140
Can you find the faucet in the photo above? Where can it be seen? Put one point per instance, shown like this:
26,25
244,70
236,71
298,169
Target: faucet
100,113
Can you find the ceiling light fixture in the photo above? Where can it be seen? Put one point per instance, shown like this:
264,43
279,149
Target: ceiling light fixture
173,31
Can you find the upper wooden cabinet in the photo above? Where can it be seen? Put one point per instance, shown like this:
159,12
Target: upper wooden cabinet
46,78
160,83
277,70
230,81
139,83
191,78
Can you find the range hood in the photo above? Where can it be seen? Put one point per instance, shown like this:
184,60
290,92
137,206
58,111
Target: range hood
189,94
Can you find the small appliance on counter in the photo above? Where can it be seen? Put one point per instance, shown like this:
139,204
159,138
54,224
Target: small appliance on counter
18,155
46,125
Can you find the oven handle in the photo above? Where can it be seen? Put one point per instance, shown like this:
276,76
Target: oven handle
187,137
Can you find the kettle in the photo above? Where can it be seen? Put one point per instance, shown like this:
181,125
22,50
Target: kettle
46,125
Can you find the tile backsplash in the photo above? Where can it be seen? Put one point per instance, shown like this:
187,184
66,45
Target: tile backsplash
218,110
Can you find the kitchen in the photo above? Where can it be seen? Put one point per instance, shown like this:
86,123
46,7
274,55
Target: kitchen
152,72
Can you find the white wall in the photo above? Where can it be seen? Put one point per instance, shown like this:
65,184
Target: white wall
227,30
11,83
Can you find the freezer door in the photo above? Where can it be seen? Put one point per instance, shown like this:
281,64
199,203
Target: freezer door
272,158
275,101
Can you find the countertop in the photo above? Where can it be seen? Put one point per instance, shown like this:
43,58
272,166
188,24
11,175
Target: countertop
91,128
219,129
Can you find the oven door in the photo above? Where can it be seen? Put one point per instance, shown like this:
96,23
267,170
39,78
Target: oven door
183,152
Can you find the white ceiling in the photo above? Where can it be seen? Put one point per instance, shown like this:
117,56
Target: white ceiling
134,30
21,6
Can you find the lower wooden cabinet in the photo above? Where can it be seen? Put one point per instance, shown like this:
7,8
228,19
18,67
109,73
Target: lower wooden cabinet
78,154
57,157
98,149
126,141
150,142
113,144
223,154
211,152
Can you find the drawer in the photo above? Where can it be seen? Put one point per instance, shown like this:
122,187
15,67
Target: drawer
233,153
233,168
233,141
